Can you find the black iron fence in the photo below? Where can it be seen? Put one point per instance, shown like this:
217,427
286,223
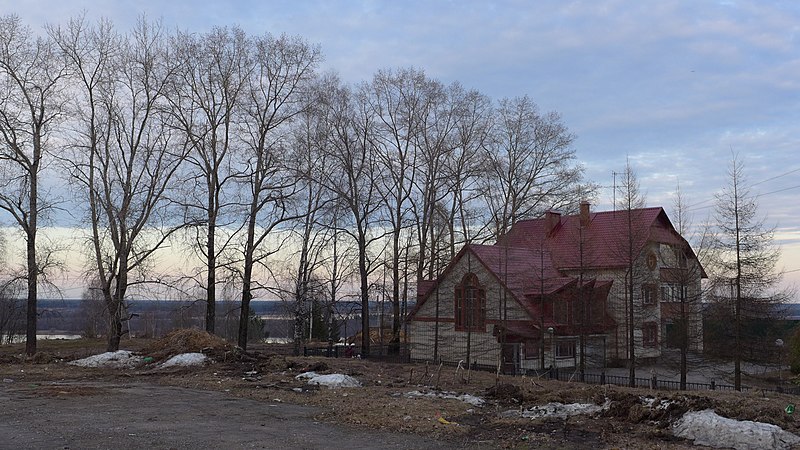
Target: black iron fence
654,382
381,352
400,354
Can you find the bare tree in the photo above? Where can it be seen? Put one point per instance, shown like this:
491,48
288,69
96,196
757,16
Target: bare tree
531,164
213,69
437,139
400,101
275,94
338,269
32,96
309,158
352,176
683,295
463,168
126,158
630,200
746,259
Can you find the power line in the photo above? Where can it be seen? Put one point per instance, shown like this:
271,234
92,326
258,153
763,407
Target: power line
779,190
777,176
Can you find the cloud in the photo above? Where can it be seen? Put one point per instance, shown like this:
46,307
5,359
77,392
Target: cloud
674,85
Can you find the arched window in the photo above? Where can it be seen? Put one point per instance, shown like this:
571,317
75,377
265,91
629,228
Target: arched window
470,305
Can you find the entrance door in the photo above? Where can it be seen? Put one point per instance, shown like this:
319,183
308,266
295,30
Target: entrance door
511,358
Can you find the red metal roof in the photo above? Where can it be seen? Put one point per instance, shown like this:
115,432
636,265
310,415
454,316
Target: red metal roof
602,243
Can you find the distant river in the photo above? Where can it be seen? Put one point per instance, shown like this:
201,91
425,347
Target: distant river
21,337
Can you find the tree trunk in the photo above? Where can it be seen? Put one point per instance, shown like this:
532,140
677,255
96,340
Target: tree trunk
114,326
395,292
32,314
247,277
362,269
32,266
211,280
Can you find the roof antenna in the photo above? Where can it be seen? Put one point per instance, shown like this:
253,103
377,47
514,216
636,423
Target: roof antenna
614,191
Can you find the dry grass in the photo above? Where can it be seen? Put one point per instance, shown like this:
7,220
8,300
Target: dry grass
268,374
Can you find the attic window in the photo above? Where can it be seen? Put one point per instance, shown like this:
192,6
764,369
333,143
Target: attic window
470,305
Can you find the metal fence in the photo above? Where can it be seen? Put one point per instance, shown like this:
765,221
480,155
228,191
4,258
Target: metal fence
655,383
379,352
400,354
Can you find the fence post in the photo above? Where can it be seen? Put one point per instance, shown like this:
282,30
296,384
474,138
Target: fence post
654,381
602,377
713,385
305,351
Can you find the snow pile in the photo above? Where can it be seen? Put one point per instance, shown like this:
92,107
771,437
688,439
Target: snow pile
466,398
185,360
121,359
708,428
559,410
334,380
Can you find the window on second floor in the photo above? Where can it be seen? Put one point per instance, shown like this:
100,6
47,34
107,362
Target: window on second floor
674,293
649,292
470,305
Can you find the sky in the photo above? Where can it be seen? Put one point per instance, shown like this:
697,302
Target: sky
674,87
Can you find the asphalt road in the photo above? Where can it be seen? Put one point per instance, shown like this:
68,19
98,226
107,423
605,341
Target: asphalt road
132,416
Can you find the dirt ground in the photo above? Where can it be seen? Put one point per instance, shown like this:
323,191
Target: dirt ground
240,395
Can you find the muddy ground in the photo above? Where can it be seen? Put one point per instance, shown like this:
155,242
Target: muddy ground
253,400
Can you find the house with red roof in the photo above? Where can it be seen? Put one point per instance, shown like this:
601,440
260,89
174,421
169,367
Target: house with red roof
555,292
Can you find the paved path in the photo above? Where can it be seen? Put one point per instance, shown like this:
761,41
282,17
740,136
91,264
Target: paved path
134,416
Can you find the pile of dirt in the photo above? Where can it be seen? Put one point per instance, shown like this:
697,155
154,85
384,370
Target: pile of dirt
506,393
189,340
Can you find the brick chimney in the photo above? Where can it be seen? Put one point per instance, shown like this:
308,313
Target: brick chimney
585,217
551,221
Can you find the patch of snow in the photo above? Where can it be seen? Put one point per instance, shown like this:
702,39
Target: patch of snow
334,380
650,402
466,398
121,359
710,429
471,399
185,359
561,410
307,375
